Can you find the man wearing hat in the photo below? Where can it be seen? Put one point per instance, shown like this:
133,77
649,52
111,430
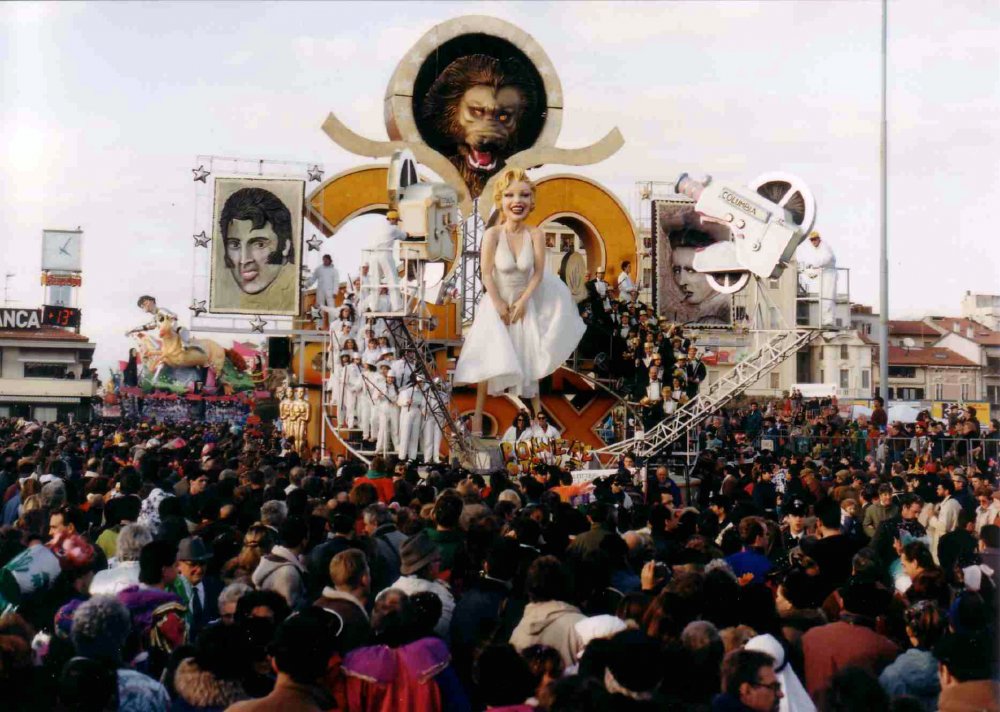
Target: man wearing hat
431,435
411,403
198,591
694,372
420,566
380,263
795,523
819,273
386,397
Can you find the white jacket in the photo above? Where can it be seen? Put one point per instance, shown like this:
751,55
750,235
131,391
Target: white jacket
325,278
110,581
413,584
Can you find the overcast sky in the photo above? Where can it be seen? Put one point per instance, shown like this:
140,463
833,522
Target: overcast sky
104,107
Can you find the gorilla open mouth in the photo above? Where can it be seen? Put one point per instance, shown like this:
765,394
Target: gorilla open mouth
481,159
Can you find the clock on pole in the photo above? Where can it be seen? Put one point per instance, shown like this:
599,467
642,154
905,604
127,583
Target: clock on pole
61,250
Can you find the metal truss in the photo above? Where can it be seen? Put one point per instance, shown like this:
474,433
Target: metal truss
473,228
418,354
780,346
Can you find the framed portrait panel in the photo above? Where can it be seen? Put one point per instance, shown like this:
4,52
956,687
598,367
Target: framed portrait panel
256,246
680,293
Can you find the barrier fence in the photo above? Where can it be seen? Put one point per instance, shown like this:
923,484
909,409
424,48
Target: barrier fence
858,446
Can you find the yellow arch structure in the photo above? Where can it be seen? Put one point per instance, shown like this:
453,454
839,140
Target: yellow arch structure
345,196
362,191
595,214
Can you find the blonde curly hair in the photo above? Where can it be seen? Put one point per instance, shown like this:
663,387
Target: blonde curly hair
508,177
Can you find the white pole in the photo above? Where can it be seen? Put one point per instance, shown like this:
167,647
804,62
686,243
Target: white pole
883,346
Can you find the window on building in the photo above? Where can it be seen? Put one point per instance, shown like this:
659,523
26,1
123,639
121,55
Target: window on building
566,243
910,393
45,413
843,352
647,276
938,391
647,242
550,240
845,379
44,370
966,391
775,380
993,394
866,379
822,375
892,394
902,371
993,364
4,411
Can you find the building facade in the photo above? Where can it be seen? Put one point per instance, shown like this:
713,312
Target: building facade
45,374
982,308
931,373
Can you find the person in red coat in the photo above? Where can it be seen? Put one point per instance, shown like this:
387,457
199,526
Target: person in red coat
850,642
379,477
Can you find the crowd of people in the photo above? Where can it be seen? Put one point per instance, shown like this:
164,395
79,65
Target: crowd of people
199,566
650,361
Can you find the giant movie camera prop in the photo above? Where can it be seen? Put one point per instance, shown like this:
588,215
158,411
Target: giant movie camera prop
767,221
428,212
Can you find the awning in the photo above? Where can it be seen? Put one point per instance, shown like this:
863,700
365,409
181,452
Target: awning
37,400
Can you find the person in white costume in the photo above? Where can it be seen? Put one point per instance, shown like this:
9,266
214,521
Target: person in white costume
366,401
431,445
411,403
521,430
820,274
337,384
386,395
627,291
349,386
528,324
327,282
381,266
543,429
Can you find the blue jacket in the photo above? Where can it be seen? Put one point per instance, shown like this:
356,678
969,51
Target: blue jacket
914,673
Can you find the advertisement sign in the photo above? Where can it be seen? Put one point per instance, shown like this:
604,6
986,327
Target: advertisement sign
11,318
53,279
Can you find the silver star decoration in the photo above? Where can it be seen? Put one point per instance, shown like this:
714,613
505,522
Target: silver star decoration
201,239
314,243
257,324
201,174
315,313
315,173
198,307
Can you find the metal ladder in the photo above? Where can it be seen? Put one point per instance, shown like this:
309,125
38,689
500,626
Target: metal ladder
779,346
459,442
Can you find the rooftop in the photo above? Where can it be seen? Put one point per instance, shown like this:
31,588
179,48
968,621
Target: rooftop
45,333
980,334
912,327
929,356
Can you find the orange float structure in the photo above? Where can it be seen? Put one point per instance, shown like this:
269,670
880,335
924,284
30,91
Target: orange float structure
590,210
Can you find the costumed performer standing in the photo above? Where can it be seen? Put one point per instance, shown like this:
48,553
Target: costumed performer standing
528,324
819,275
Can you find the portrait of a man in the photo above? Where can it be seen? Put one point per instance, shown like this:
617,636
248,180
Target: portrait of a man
255,247
683,294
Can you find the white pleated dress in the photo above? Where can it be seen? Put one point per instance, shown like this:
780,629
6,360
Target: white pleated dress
512,358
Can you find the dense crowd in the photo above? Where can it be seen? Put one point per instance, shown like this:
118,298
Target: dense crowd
651,362
201,567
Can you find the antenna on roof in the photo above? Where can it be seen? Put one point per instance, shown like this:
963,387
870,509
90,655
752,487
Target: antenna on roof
908,343
6,287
